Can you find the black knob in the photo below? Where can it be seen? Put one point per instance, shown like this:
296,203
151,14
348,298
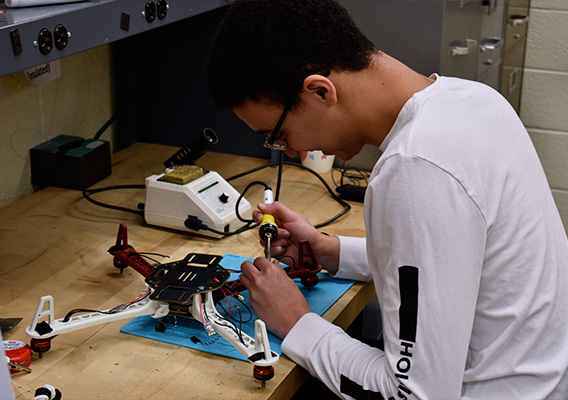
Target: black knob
224,198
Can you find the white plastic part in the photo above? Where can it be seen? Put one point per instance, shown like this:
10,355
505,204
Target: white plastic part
143,307
210,198
268,196
261,344
246,345
259,347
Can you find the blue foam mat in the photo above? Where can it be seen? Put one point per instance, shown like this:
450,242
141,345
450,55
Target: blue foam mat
179,331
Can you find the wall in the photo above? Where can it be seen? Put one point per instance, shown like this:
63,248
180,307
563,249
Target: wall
78,104
544,98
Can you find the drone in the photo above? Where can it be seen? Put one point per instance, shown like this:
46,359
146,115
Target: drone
188,288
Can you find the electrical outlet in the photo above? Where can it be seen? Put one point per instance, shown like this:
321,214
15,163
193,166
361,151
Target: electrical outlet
44,41
150,11
61,35
163,8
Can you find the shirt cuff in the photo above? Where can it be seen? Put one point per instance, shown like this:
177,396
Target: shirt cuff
303,337
353,262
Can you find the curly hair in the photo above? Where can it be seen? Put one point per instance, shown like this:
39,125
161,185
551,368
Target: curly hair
264,49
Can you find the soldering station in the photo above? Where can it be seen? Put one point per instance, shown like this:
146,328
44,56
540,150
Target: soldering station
189,198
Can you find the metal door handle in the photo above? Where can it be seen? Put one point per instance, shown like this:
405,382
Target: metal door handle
462,47
490,43
512,82
518,19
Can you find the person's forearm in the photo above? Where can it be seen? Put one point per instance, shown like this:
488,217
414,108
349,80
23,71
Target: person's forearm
326,250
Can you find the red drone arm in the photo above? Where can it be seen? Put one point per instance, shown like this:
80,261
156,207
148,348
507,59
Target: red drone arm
307,269
126,256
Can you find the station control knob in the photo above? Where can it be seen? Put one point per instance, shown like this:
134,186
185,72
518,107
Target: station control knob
224,198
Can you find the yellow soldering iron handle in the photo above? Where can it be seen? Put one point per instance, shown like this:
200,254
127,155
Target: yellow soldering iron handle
268,219
268,225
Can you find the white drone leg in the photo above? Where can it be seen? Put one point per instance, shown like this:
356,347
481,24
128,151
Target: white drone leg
59,326
41,312
257,350
261,344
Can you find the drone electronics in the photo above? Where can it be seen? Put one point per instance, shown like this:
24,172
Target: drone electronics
188,198
185,288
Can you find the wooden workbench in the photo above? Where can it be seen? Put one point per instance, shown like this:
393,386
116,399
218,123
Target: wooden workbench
55,242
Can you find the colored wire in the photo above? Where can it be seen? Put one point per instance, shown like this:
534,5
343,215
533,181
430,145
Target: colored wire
147,255
233,318
113,310
228,302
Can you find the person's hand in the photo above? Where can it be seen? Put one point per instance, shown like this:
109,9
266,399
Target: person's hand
294,227
274,297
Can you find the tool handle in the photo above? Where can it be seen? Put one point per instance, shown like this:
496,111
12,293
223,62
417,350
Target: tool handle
268,196
268,219
268,225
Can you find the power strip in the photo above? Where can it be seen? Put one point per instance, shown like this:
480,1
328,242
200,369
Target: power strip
31,3
352,192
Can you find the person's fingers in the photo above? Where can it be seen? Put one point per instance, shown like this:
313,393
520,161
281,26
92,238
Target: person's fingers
277,209
248,270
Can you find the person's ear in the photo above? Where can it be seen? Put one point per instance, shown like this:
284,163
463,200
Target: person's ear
322,87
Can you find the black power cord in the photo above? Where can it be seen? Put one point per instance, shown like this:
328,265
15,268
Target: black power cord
346,206
88,192
196,224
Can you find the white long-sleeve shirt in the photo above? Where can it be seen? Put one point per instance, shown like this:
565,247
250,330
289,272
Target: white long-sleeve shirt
469,260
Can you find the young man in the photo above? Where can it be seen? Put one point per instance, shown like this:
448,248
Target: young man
463,243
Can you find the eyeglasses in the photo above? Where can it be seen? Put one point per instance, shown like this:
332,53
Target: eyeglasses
273,142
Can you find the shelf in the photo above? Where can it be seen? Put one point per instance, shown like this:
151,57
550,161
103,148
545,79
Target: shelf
89,24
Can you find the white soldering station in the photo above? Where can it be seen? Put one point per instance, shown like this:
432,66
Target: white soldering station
188,198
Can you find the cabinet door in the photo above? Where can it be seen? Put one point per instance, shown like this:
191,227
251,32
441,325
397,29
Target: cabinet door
460,39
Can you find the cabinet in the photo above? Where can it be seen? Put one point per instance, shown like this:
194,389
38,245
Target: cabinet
454,38
462,38
514,51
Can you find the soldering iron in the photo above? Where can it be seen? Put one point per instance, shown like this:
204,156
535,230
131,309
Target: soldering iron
268,228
